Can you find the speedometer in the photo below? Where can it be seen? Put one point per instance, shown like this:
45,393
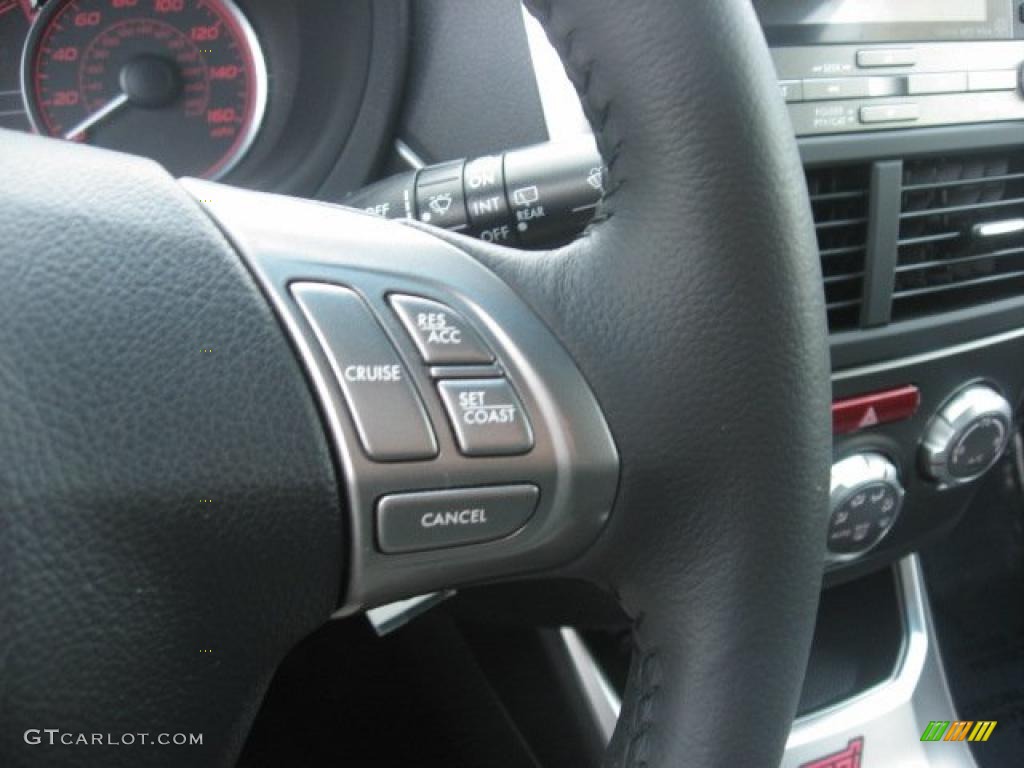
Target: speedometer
180,81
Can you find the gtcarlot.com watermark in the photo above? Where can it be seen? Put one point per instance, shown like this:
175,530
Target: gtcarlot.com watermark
55,736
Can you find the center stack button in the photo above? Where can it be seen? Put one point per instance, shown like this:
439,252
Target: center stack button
487,417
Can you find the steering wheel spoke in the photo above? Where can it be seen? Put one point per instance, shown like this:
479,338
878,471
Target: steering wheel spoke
470,445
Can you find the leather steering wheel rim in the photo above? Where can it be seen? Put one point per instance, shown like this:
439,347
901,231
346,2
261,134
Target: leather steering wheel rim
692,306
706,240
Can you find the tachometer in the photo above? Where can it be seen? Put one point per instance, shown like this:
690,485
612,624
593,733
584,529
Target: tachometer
180,81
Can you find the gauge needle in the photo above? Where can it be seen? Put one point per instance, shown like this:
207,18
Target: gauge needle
100,114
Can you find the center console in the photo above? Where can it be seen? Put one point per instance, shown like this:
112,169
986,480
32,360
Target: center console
910,122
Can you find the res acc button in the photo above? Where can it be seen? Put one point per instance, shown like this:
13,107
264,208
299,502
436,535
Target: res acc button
442,335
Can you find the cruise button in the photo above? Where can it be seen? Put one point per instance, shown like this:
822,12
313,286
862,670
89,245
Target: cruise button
386,409
442,336
415,522
487,417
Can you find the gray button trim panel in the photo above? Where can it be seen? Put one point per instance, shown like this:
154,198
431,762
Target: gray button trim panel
574,461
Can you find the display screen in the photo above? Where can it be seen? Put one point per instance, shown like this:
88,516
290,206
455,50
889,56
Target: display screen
809,22
876,11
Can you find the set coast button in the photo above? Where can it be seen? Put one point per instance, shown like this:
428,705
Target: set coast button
487,417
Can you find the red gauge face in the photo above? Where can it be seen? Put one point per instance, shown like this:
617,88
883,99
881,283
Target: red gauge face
180,81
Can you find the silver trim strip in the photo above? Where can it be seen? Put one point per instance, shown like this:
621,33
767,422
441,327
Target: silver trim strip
385,619
563,113
890,717
888,695
604,704
927,357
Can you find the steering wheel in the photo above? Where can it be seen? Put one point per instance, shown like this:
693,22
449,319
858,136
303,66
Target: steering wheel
191,479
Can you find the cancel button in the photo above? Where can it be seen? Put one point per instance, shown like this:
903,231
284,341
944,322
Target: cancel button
412,522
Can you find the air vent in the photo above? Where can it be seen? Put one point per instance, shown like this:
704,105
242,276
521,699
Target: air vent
961,233
839,199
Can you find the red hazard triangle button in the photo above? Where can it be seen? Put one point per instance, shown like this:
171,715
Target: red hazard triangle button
870,418
856,413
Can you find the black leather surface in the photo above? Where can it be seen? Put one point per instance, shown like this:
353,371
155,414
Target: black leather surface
694,308
127,603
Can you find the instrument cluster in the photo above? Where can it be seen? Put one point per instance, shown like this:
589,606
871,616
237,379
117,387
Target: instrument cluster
256,92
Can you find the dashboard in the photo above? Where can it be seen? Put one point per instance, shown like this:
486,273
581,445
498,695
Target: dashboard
909,119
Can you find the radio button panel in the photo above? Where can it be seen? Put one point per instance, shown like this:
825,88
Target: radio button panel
852,87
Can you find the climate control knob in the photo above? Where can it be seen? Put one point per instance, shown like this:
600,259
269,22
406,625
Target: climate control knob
864,500
967,436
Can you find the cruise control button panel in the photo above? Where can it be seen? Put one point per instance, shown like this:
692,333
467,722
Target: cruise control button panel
415,522
442,336
469,447
487,417
385,407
